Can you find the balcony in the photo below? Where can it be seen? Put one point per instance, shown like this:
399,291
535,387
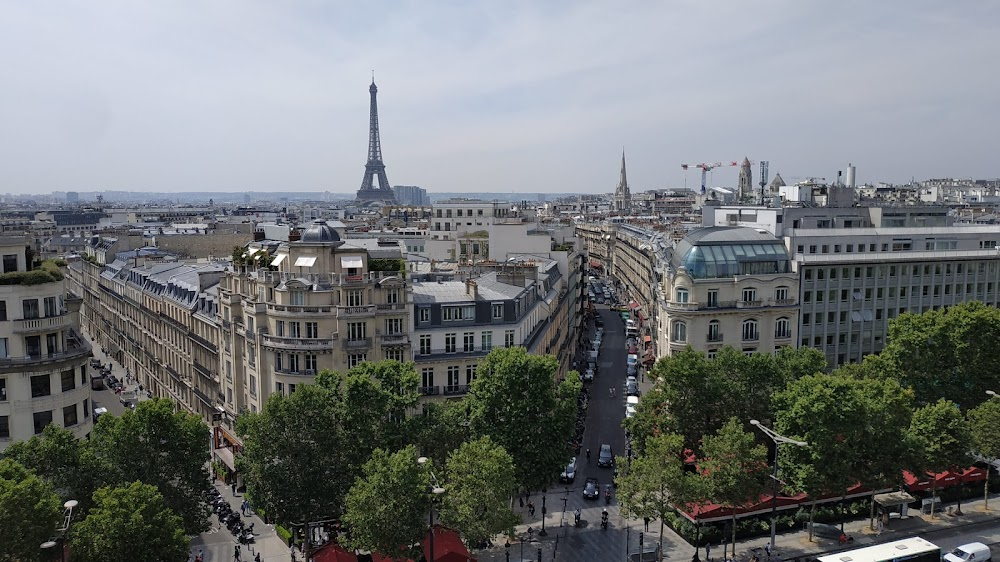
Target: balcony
713,337
395,339
296,344
783,335
429,390
296,310
357,343
75,349
683,305
782,302
37,325
365,311
454,389
749,304
395,307
459,353
296,373
203,370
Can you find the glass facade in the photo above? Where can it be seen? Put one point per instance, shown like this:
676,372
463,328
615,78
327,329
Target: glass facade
729,260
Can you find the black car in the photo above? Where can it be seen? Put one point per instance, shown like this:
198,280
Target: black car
632,389
592,489
605,457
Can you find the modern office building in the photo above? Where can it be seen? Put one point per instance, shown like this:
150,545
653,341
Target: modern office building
43,359
411,195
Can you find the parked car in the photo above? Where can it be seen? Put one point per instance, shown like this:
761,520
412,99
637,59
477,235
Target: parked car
631,380
588,375
605,457
632,371
972,552
569,474
632,359
632,389
591,489
631,403
632,342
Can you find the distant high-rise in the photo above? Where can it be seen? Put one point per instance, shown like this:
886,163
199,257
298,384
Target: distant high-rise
374,167
411,195
745,187
623,198
72,197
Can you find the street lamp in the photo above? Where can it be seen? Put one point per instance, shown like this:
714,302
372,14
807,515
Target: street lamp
435,490
506,546
543,532
60,538
779,440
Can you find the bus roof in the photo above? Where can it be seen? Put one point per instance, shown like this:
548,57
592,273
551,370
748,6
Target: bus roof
901,549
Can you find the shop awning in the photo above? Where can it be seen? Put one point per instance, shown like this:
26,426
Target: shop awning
351,262
305,261
647,339
278,259
596,264
225,454
633,305
334,553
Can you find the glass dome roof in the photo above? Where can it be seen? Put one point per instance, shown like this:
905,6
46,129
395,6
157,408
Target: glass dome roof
719,252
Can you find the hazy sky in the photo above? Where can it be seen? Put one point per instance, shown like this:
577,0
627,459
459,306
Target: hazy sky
491,95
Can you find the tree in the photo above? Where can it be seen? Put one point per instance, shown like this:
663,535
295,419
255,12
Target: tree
942,440
516,401
735,468
652,417
29,512
983,423
63,460
129,524
295,453
387,505
155,445
654,482
440,429
480,479
855,428
376,398
695,392
947,353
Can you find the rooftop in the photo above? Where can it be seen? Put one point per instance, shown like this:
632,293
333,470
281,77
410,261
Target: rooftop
720,252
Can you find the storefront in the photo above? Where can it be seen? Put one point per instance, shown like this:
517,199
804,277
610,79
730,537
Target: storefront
225,447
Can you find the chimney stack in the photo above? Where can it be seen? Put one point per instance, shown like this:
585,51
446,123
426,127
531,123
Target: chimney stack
472,288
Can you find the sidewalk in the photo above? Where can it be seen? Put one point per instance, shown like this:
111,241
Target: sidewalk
218,543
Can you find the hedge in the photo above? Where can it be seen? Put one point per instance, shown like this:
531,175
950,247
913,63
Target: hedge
48,272
284,533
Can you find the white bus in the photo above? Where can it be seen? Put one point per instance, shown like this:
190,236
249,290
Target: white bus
913,549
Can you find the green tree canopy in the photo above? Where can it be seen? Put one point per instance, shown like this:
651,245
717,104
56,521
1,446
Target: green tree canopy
517,403
295,453
655,481
735,468
984,421
441,428
387,506
947,353
480,481
376,398
652,418
29,513
129,524
155,445
941,439
63,460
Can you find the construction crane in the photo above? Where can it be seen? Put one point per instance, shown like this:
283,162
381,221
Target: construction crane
706,168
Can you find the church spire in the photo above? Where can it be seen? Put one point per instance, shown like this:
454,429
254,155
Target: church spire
623,198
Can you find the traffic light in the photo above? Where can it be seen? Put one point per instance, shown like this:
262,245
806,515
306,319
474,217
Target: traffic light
640,540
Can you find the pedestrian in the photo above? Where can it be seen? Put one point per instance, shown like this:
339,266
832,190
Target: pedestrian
520,501
767,550
200,557
588,456
236,554
256,557
233,485
879,527
708,552
531,508
291,550
646,521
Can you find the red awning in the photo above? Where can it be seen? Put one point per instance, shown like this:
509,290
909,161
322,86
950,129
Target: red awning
647,339
641,317
448,547
334,553
596,264
376,557
633,305
944,479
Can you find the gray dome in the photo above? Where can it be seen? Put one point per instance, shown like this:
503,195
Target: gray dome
319,231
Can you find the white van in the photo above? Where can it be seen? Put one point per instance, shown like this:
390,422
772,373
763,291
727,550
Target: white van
972,552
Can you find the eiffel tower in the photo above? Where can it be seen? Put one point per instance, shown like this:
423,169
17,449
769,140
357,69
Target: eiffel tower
368,192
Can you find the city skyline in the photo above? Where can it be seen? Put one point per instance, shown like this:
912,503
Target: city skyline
241,97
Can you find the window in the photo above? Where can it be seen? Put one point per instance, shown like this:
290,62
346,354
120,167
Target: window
3,390
453,371
393,326
497,311
86,408
41,420
297,298
3,310
901,245
356,297
279,328
69,416
454,313
470,373
30,308
424,314
278,361
293,363
425,345
487,341
682,296
310,363
4,427
427,377
357,330
355,359
714,331
294,330
449,343
51,343
750,330
40,386
749,295
252,355
468,342
508,338
781,294
394,354
68,379
782,328
713,298
678,332
9,263
312,330
50,306
392,296
279,388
